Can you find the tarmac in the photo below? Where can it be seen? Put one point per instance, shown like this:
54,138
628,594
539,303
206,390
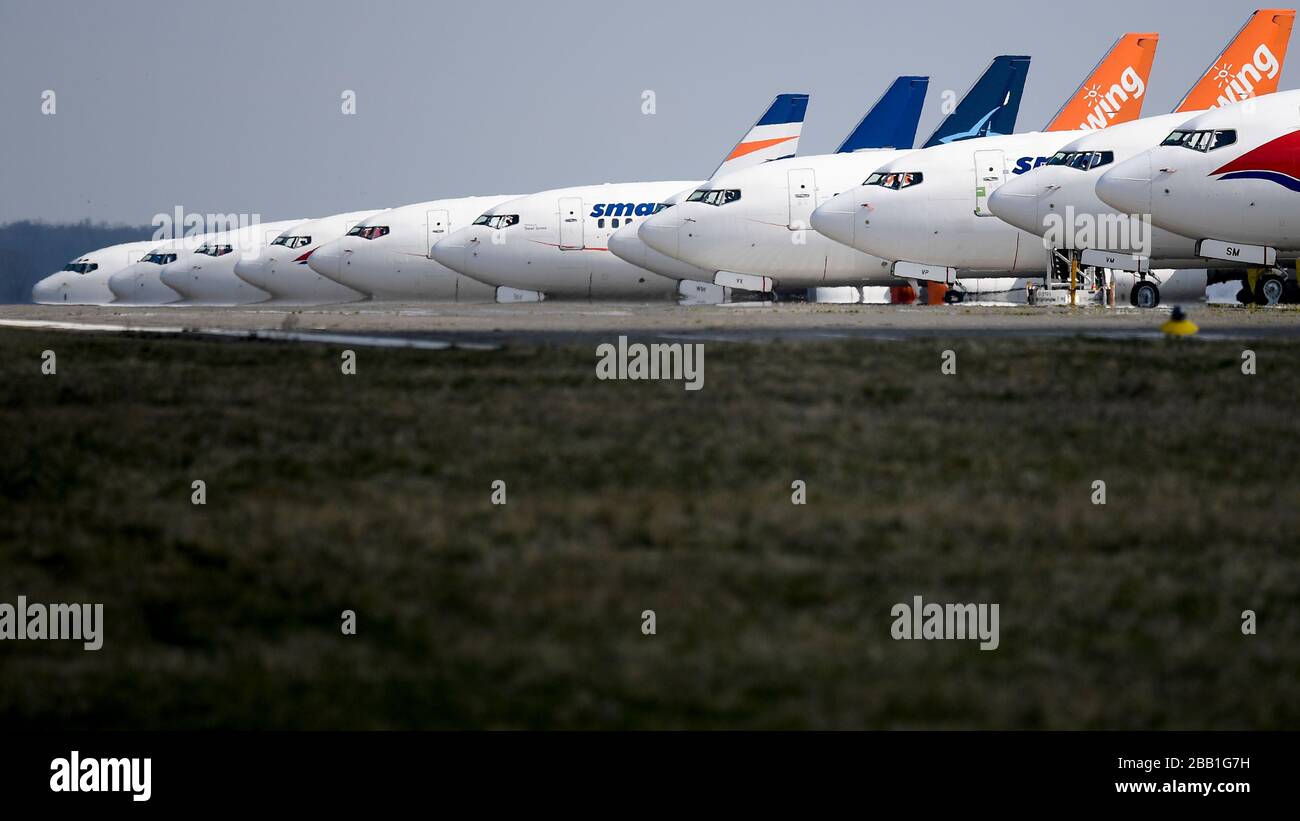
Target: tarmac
433,325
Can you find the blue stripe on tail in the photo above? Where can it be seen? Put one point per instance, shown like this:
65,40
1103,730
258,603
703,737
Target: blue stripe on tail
786,108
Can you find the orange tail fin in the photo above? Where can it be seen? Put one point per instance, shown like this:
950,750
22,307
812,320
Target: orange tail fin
1115,90
1249,66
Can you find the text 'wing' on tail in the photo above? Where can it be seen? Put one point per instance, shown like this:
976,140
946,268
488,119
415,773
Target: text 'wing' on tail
1249,66
1115,90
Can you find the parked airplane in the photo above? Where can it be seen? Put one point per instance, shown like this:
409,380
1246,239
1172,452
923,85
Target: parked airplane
281,269
1058,201
1229,179
141,282
751,227
84,281
927,213
557,242
389,256
890,123
207,277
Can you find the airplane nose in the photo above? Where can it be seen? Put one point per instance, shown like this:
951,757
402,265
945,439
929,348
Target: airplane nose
1016,203
253,271
450,252
325,259
660,232
176,274
48,289
122,284
627,246
835,218
1127,186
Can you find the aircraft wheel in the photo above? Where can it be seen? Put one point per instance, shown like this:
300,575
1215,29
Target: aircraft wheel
1146,295
1270,290
954,297
1245,297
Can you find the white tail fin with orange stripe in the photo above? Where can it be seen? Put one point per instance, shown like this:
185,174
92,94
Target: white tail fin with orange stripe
1115,90
774,136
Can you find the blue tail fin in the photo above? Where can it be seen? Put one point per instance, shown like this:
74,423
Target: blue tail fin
892,121
990,107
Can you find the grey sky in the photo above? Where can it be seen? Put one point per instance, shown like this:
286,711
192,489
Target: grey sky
235,107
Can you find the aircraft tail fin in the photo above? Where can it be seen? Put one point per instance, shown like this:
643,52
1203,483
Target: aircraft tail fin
892,121
1114,91
775,135
1249,66
990,107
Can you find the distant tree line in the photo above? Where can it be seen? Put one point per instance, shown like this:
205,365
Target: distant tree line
31,251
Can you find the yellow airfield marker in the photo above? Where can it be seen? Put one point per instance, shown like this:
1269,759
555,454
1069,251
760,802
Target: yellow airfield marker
1178,324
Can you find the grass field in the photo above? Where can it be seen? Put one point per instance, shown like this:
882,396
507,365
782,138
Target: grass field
371,492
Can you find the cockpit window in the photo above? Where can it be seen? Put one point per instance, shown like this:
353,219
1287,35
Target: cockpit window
159,259
369,231
214,250
1083,160
291,242
896,180
497,221
1203,141
80,267
711,196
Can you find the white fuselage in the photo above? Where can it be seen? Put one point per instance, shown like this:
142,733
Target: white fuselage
626,244
84,281
766,232
1059,201
281,269
389,256
944,219
207,276
1240,190
556,242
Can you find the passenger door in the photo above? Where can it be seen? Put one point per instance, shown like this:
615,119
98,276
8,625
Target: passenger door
571,220
439,223
990,173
